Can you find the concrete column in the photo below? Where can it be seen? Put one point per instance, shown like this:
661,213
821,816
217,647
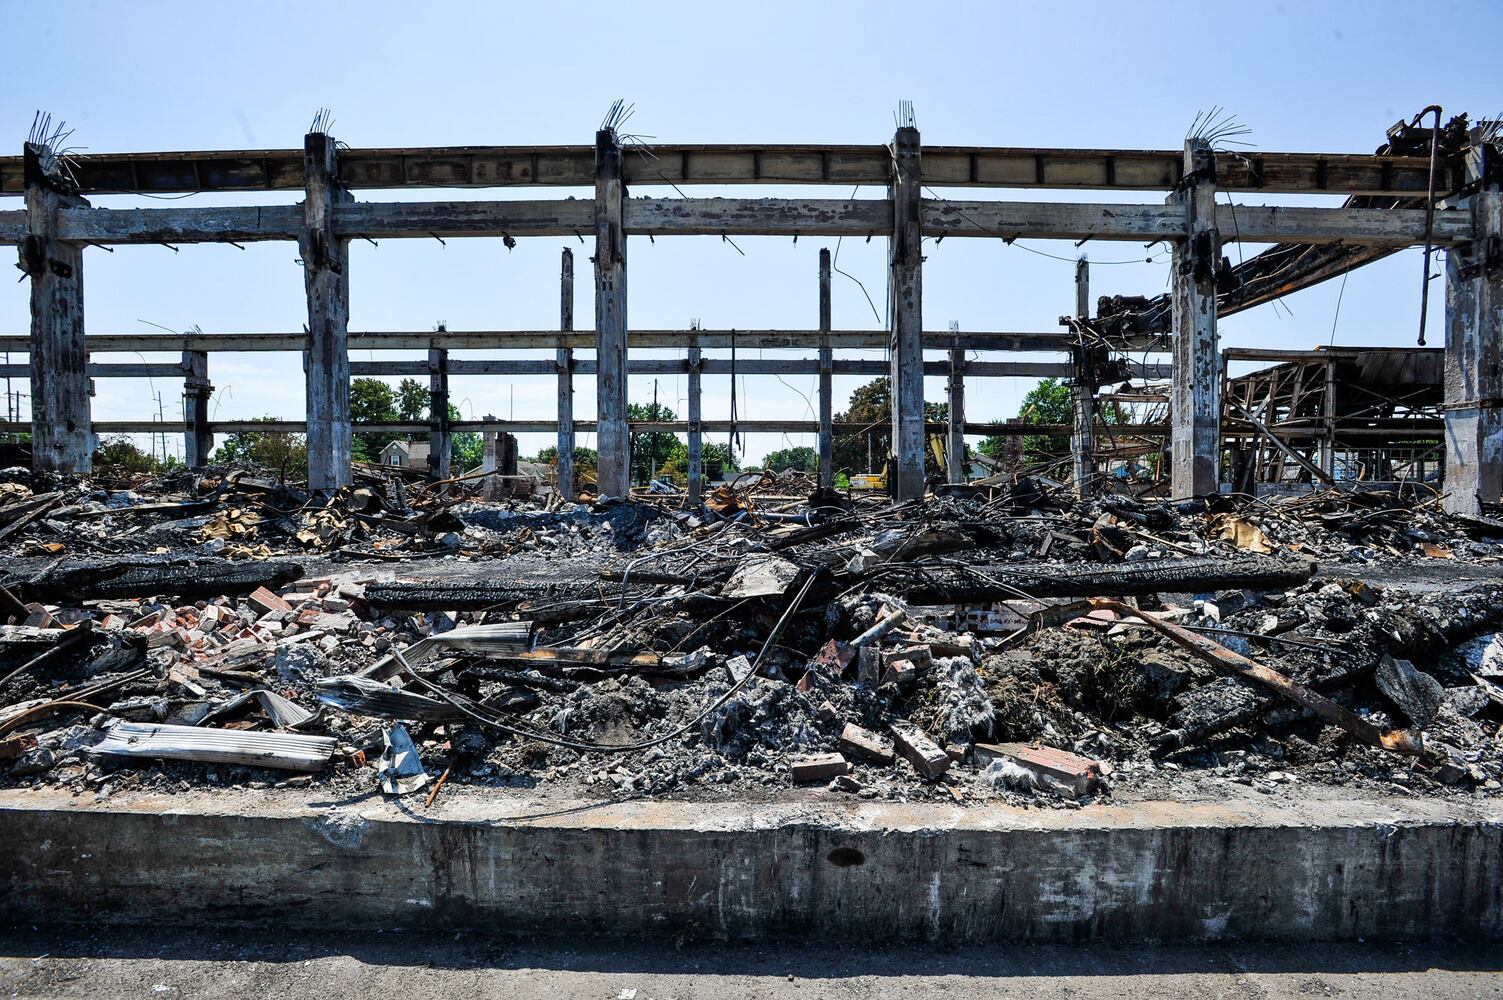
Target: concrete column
488,446
565,365
440,440
1195,430
61,439
1328,420
326,278
826,378
955,428
610,318
1474,333
1083,393
905,475
696,435
198,440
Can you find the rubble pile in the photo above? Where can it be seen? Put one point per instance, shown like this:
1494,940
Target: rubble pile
984,644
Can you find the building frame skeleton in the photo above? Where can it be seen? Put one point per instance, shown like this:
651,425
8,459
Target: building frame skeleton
56,223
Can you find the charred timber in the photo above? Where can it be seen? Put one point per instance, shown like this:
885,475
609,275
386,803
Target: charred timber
148,575
941,584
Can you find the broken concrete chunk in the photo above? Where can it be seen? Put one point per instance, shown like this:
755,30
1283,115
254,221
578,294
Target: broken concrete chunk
1229,602
1057,770
845,783
859,744
739,667
1415,692
818,767
927,758
761,576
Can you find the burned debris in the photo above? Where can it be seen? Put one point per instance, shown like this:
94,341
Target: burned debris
1004,640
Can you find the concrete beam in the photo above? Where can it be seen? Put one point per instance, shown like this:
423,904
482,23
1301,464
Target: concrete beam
198,439
1378,227
326,278
614,474
1011,220
1474,339
1195,396
526,340
742,163
564,365
905,474
60,432
826,448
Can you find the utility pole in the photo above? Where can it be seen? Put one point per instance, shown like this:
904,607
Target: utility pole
652,437
162,424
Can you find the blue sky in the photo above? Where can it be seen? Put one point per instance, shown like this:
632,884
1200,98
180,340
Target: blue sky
1328,76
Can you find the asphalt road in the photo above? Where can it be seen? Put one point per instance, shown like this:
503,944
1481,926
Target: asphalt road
174,964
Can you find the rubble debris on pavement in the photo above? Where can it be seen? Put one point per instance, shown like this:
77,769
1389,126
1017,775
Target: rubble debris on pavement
998,641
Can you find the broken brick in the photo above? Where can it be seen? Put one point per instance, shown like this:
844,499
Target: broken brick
818,767
1072,774
901,673
265,601
864,746
919,750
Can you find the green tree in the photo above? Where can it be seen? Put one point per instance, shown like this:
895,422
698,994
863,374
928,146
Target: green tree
371,400
802,459
120,454
284,453
717,460
649,449
1048,402
413,400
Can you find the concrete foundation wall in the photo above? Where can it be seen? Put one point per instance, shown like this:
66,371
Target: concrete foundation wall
842,872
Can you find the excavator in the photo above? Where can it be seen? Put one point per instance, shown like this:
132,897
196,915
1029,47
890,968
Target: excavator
876,482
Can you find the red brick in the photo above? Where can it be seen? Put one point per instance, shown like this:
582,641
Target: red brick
858,744
819,767
900,673
919,750
264,600
1073,774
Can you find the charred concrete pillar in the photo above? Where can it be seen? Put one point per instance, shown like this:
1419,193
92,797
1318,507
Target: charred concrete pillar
696,427
1083,393
326,279
61,439
198,439
564,361
440,440
1474,338
905,474
955,426
612,432
1195,429
826,378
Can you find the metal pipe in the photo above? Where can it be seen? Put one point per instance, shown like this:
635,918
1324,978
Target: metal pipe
1429,217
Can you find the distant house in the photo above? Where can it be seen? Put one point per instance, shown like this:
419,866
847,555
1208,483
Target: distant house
406,454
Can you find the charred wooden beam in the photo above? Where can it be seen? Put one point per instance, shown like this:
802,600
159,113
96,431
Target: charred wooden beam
148,575
953,585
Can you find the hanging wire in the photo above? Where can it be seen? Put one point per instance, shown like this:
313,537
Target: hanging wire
1012,241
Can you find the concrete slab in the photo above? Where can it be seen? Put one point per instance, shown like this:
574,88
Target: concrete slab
1333,869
